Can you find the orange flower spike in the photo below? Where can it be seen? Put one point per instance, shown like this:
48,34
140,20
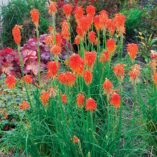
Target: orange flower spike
132,50
119,71
120,23
35,16
67,9
10,81
77,40
111,46
90,10
16,32
79,12
97,22
80,100
28,79
44,97
104,57
49,40
115,100
155,78
107,85
92,37
64,98
75,139
76,63
52,9
24,105
91,105
90,58
134,73
58,39
65,30
56,50
67,78
111,26
88,77
53,68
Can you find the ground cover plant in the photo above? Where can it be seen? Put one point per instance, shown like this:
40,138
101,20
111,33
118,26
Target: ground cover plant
95,102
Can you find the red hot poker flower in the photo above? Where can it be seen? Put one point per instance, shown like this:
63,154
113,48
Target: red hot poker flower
78,13
56,50
44,97
90,58
67,78
92,37
115,100
75,139
28,79
91,105
67,9
132,50
53,68
119,71
35,16
76,63
65,30
155,78
10,81
80,100
88,76
104,57
52,8
17,34
111,46
64,98
119,20
134,73
90,10
107,85
24,105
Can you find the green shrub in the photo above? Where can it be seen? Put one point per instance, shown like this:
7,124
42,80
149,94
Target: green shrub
133,19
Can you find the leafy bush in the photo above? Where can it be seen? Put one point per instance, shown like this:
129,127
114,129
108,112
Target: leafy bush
133,19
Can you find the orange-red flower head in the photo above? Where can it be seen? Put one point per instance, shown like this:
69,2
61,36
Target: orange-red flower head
92,37
52,8
132,50
64,98
104,57
119,71
44,97
78,13
91,105
28,79
53,68
111,46
107,85
90,58
80,100
67,78
88,77
16,32
75,139
67,9
65,30
76,63
155,78
90,10
24,105
134,73
115,100
10,81
35,16
56,50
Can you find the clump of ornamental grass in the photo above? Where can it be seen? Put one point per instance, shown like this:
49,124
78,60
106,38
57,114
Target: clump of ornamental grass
79,108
